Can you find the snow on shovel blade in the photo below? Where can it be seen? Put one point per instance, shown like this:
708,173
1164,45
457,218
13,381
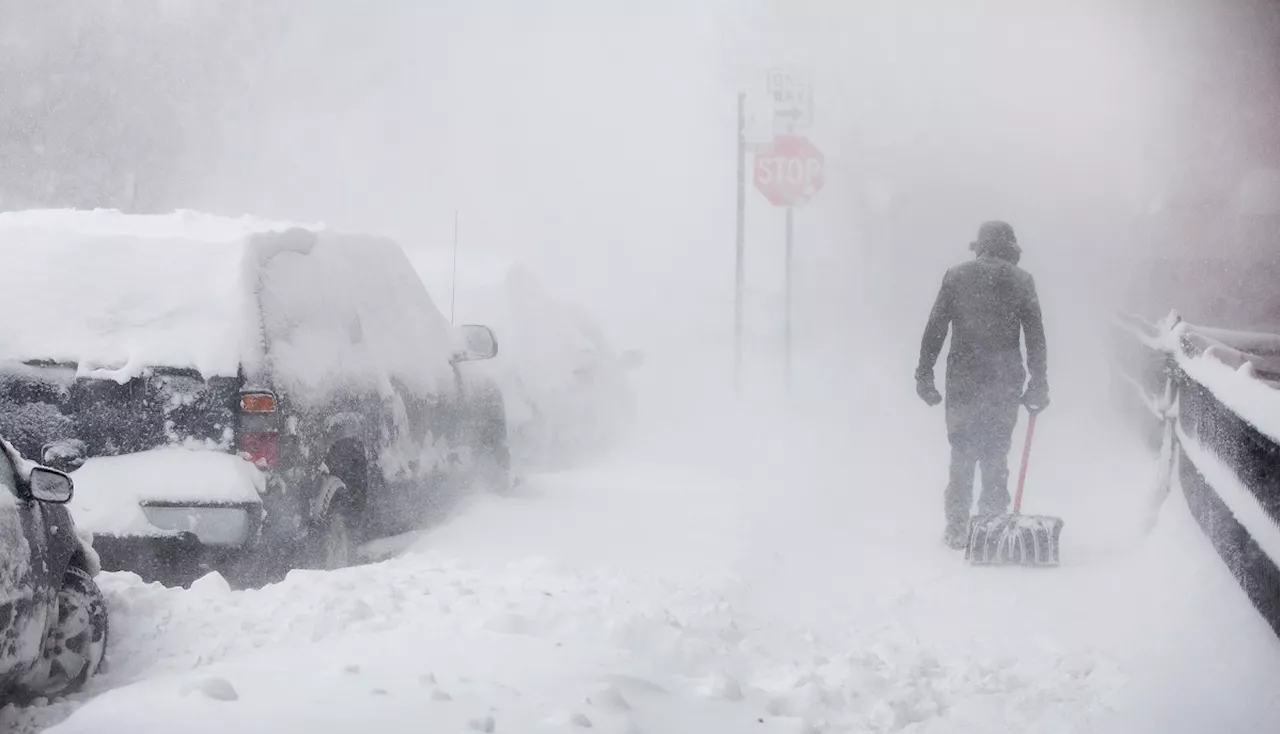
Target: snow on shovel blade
1024,540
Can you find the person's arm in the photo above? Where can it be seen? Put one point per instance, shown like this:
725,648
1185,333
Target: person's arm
1037,351
935,333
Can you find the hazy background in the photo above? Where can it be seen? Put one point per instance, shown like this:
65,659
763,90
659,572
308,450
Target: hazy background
596,141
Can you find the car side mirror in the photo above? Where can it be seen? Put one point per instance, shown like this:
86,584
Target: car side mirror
477,343
50,485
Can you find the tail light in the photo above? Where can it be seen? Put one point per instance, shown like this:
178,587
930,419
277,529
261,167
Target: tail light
257,402
257,433
261,447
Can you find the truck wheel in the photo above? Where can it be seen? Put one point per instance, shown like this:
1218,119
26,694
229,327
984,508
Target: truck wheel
494,474
335,540
493,462
76,643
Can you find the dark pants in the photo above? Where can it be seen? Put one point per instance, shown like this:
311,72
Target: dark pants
980,428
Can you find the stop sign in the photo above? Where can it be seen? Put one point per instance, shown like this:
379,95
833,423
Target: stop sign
789,171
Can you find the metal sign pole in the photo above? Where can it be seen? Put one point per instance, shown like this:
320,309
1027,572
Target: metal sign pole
787,327
791,91
740,275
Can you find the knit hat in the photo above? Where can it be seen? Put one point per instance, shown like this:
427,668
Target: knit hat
997,238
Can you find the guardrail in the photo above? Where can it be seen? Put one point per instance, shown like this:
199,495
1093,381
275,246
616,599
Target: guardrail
1208,400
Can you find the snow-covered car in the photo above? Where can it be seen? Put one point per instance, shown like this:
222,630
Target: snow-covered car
565,384
236,394
53,619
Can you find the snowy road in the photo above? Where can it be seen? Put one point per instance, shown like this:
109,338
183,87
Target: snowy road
725,575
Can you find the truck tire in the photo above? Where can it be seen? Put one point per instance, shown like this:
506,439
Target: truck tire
493,462
334,538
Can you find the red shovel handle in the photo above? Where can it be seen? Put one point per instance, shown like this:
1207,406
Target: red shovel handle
1026,457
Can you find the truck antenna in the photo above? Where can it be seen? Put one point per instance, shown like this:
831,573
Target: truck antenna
453,295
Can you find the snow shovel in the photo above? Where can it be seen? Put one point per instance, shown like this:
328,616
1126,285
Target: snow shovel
1016,539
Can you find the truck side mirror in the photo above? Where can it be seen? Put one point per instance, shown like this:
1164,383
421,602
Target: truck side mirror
478,343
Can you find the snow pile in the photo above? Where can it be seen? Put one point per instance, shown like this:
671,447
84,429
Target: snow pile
115,293
110,490
426,642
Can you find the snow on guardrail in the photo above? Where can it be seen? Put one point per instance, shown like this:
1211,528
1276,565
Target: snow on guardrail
1221,389
1240,368
1239,499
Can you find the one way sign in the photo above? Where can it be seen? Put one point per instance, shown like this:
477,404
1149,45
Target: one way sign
791,93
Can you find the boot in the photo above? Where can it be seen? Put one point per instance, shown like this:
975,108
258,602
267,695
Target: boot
956,536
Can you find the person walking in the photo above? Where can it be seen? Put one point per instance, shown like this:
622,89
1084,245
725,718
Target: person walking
988,303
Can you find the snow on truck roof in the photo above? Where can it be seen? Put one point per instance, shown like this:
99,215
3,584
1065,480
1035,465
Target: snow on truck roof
114,293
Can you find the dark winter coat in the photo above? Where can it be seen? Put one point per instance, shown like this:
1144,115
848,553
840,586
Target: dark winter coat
986,302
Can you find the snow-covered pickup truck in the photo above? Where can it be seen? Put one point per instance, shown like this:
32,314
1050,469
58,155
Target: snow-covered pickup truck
237,394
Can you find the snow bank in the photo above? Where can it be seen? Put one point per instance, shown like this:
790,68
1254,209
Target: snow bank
109,491
115,293
428,642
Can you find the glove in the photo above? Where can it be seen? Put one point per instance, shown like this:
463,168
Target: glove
1036,399
928,392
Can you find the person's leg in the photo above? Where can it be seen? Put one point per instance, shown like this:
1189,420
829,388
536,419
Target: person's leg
959,497
997,439
964,459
